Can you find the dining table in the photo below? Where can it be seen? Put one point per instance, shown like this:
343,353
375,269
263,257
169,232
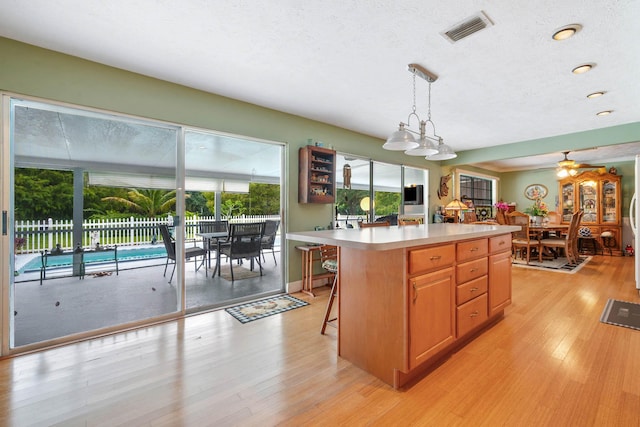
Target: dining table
216,238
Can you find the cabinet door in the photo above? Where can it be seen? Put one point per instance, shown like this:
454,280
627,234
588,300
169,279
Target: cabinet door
566,190
499,282
431,315
588,200
610,208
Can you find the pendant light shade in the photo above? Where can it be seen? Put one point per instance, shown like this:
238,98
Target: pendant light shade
400,140
444,152
425,147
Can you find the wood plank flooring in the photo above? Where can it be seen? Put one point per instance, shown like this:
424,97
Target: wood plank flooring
549,362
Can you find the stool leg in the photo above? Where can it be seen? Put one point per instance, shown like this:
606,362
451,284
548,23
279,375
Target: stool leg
334,294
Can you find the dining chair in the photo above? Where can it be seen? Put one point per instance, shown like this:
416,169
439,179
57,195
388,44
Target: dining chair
373,224
501,218
244,242
329,261
522,240
269,238
469,217
189,252
569,243
408,222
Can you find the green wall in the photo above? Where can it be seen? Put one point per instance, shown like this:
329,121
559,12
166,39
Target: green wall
38,72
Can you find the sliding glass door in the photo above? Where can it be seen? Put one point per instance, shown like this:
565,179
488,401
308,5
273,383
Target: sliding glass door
103,226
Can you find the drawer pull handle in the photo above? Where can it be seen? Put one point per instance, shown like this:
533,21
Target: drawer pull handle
474,289
473,270
474,314
475,249
435,257
502,242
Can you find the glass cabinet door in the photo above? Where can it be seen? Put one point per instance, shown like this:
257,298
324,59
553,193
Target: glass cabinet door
567,202
609,208
588,199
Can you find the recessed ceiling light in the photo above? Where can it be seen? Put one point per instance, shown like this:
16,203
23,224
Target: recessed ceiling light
604,113
582,68
566,31
595,94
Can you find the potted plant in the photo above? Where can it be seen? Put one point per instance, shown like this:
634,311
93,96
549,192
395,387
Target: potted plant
537,211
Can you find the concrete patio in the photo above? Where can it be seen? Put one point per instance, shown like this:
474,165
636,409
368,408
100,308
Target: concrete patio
66,305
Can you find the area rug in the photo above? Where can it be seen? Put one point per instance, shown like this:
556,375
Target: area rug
263,308
621,313
559,265
239,272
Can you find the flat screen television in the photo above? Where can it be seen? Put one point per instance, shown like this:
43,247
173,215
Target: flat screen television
413,195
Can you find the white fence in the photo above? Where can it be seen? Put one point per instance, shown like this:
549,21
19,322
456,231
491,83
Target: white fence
36,236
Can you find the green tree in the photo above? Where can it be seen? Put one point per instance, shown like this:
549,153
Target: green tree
43,193
149,203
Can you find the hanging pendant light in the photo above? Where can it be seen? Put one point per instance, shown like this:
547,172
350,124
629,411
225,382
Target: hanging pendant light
403,140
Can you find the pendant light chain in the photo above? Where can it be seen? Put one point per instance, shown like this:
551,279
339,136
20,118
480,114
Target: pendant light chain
414,93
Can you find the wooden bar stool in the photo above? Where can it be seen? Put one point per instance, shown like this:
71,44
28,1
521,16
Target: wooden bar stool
329,259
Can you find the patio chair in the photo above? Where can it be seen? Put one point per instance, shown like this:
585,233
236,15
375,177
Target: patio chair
213,228
190,252
269,238
245,242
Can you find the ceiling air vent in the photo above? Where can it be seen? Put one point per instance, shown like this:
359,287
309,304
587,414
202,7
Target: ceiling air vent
471,25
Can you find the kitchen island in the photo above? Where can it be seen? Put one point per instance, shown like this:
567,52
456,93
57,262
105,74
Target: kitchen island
410,295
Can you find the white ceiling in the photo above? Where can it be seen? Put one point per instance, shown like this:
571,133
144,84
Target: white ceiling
345,62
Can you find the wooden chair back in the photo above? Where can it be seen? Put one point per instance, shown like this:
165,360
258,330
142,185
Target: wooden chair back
501,217
408,221
374,224
470,217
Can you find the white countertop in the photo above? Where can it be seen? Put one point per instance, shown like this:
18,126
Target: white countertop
394,237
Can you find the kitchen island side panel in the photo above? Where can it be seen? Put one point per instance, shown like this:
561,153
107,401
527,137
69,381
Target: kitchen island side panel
373,311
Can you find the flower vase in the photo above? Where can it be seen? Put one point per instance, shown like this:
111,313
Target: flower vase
537,220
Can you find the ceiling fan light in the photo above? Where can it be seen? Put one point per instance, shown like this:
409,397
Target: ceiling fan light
573,172
425,147
562,173
400,140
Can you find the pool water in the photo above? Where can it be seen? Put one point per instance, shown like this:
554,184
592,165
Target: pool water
133,254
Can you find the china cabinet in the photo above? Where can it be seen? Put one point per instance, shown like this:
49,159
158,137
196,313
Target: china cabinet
599,196
316,179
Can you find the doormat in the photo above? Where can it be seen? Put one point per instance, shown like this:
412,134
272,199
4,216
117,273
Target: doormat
265,307
621,313
559,265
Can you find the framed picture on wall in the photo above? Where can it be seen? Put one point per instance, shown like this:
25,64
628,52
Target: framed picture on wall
535,191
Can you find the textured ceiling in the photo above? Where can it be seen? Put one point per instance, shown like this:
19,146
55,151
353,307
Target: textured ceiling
345,62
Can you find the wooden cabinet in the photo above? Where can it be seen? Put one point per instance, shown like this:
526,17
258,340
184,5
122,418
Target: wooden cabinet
317,173
454,289
599,196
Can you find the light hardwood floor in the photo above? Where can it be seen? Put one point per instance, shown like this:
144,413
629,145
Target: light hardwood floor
548,362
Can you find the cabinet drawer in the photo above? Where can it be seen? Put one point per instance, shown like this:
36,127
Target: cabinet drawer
472,314
471,270
500,243
428,259
472,289
472,249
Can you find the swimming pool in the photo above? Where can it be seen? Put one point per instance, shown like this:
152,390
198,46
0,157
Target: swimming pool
124,254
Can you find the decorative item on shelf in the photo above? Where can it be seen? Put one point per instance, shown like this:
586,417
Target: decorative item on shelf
403,140
613,170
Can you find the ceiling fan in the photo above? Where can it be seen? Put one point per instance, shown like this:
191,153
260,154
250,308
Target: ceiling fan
568,167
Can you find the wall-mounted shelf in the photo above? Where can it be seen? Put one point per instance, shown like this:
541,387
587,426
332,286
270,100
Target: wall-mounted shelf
317,172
